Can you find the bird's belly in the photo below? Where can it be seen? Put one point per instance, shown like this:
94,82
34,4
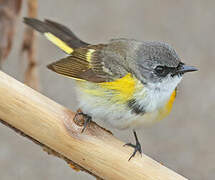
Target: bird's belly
145,120
119,116
99,105
133,121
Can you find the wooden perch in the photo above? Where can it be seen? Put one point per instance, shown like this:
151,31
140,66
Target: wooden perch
50,124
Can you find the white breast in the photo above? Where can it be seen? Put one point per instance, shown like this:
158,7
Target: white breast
157,94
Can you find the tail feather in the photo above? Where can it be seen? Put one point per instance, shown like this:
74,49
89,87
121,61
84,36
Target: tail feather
58,34
70,38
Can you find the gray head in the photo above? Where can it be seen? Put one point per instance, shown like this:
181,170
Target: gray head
158,62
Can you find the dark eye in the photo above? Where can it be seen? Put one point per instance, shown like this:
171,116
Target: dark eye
162,71
159,69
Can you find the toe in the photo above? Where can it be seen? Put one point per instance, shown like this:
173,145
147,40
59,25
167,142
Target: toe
129,144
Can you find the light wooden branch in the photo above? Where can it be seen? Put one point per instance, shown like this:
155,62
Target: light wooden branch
51,125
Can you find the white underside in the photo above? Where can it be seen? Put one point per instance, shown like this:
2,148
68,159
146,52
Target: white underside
152,98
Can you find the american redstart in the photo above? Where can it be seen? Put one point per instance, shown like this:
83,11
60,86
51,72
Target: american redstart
126,82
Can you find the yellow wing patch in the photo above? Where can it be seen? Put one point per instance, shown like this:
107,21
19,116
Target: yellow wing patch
89,54
59,43
168,107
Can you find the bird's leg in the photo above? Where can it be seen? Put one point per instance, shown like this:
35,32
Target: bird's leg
86,117
137,146
87,120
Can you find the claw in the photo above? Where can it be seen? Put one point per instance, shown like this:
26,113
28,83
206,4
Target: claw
129,144
136,147
87,119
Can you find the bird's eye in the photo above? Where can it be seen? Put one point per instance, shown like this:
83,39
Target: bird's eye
162,71
159,69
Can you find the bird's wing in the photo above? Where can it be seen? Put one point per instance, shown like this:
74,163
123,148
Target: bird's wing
84,64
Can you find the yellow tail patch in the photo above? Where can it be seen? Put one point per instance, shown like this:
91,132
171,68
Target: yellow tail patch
59,43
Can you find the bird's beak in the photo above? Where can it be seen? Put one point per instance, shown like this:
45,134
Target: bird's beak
183,69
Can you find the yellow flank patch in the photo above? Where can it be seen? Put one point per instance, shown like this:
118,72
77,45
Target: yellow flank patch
89,54
168,107
123,88
59,43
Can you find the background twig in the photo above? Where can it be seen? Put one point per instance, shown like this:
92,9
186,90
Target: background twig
28,46
9,10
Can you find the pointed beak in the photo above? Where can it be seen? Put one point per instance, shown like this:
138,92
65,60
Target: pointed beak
184,69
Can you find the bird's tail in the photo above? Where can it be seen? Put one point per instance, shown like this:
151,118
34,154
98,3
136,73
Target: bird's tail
58,34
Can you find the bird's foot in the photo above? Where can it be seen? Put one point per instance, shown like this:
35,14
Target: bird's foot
137,147
87,119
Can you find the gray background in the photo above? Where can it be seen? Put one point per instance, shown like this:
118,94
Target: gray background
184,141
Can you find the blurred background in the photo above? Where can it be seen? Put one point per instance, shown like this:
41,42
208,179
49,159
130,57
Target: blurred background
184,141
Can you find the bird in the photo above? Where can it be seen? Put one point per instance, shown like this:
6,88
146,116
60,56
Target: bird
127,83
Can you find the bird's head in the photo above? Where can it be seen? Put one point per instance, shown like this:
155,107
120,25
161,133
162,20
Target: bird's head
159,66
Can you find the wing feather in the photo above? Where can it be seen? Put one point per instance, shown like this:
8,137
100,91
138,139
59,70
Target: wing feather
80,65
